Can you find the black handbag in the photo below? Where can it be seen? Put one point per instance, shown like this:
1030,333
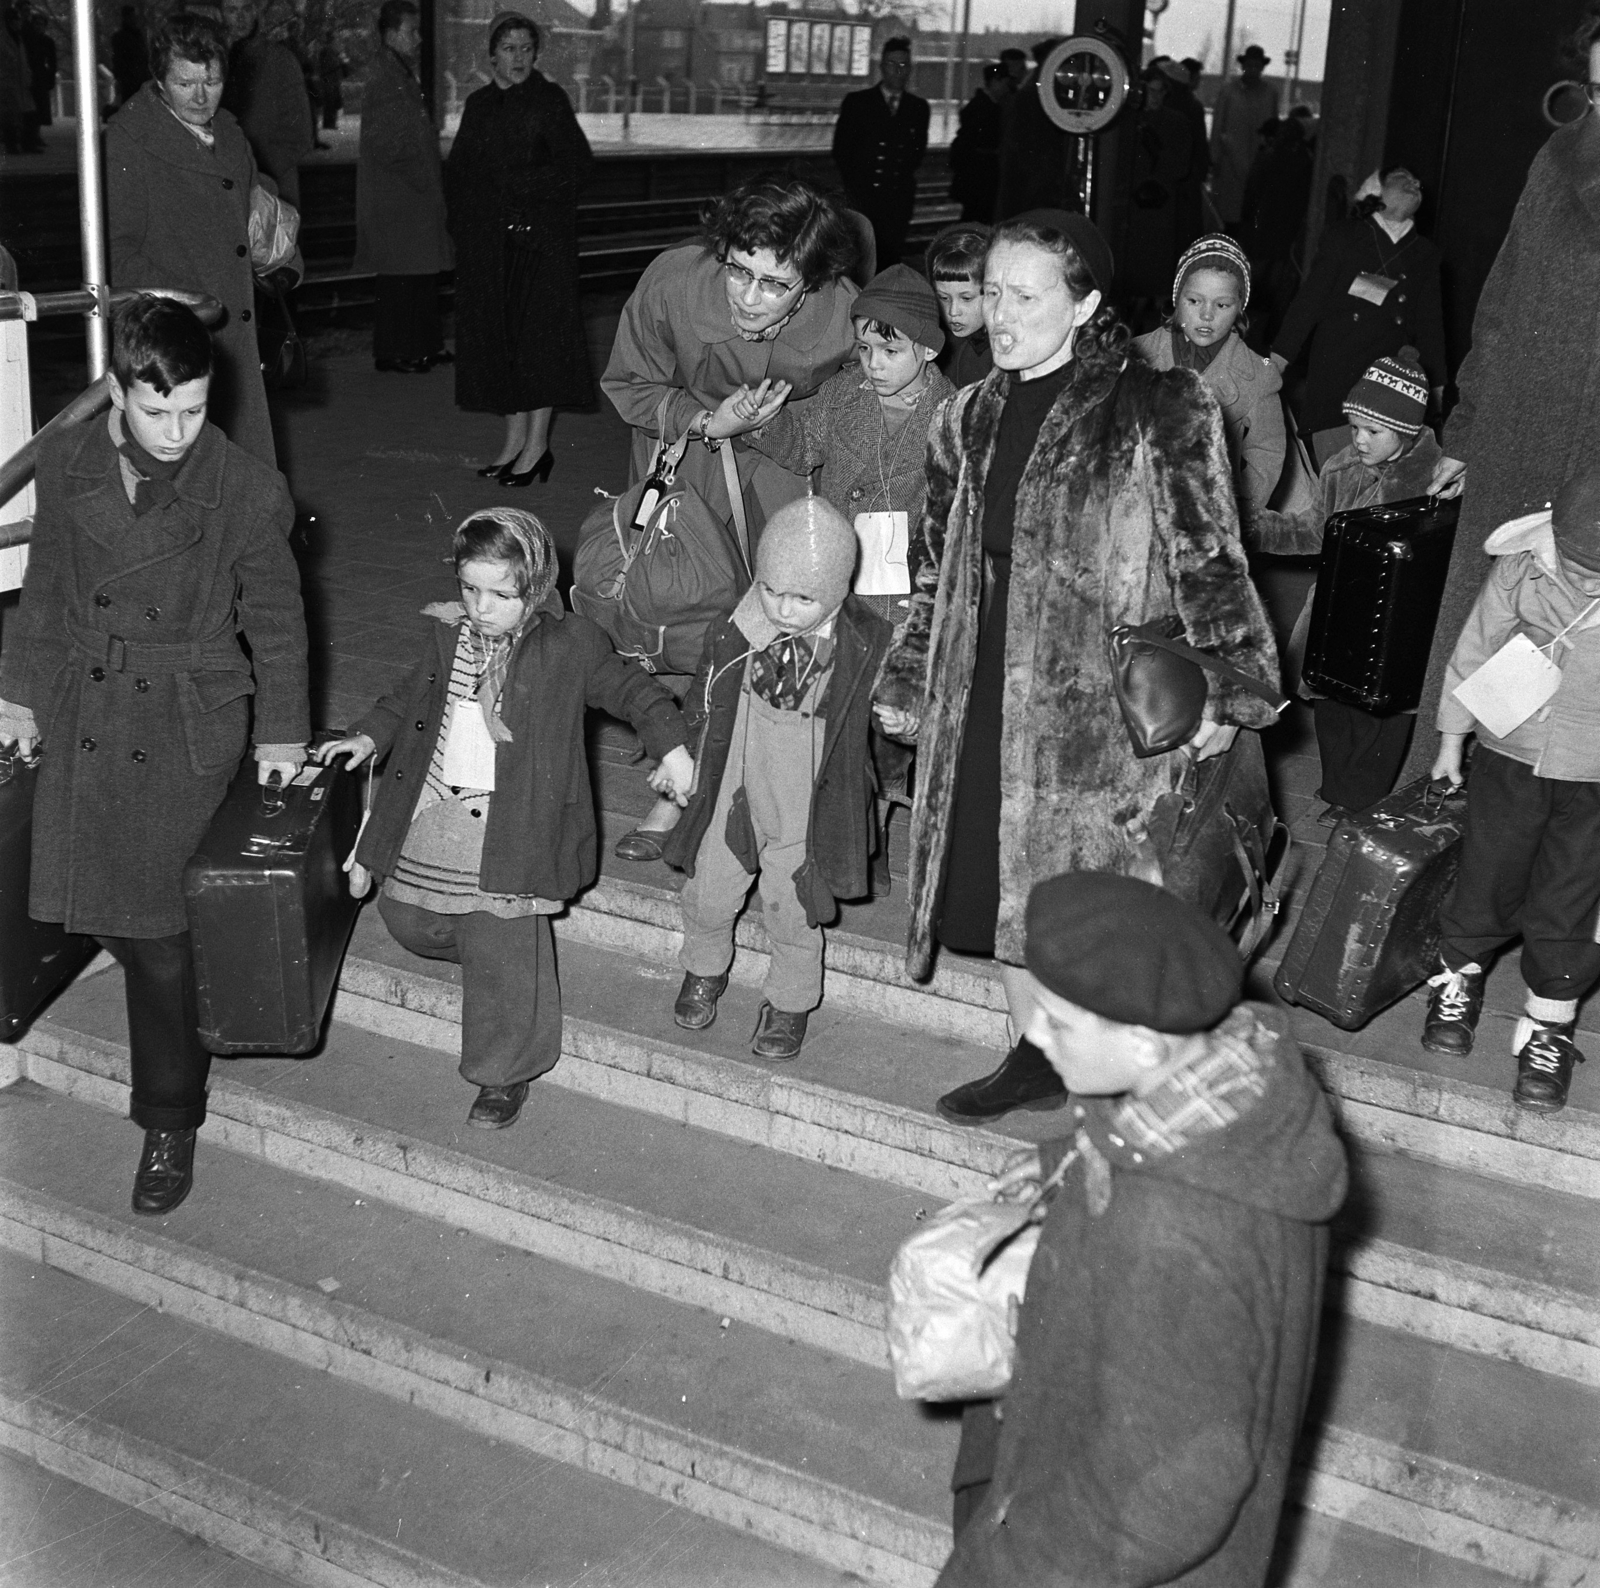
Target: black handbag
1160,683
283,354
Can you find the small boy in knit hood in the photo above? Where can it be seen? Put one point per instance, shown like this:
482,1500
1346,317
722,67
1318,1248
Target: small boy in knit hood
1390,458
780,712
1525,680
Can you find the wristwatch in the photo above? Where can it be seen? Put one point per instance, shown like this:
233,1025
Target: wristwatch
703,420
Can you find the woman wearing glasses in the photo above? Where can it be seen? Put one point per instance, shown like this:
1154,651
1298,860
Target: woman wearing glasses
761,302
178,179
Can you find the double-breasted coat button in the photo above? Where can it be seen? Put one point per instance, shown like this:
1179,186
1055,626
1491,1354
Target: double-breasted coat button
420,725
151,614
241,250
138,755
98,674
227,182
102,599
88,744
244,314
142,685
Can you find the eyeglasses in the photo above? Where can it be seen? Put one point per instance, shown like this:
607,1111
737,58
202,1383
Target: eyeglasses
1593,91
769,287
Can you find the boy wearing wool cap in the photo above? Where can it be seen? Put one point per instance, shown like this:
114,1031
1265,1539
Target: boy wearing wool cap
1391,458
780,709
1530,862
1166,1342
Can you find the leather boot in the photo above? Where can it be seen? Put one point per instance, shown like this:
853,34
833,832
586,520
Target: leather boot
1453,1009
166,1171
495,1107
1545,1055
779,1033
696,1006
1026,1079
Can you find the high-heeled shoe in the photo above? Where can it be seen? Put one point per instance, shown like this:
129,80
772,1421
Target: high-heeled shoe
540,471
496,471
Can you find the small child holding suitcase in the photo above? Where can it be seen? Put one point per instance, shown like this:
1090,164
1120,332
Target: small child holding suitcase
781,704
1390,458
484,825
158,545
1530,862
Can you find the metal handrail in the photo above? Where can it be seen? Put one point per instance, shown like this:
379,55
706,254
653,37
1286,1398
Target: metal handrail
95,398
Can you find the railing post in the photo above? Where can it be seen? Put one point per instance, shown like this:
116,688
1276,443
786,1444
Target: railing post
91,186
580,81
666,96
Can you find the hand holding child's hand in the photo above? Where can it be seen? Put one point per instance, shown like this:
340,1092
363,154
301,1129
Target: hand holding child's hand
747,409
358,749
674,778
898,724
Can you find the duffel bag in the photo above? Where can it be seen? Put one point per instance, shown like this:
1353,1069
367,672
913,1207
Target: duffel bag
655,567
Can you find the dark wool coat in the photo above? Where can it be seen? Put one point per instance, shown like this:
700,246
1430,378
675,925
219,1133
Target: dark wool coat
1125,513
521,158
676,340
266,94
1347,334
178,215
840,841
878,153
1529,407
540,839
400,216
975,158
1164,1351
126,649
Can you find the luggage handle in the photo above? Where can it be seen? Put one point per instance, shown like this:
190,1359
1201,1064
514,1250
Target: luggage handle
11,758
274,802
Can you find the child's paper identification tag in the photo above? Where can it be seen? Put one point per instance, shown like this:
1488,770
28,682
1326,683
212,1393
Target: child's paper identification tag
885,539
1372,287
1513,684
468,749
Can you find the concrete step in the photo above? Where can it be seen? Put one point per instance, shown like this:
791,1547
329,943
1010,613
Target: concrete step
1389,1091
1409,1491
317,1478
58,1533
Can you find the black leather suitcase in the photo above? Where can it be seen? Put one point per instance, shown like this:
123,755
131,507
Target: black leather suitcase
270,910
36,957
1379,584
1369,932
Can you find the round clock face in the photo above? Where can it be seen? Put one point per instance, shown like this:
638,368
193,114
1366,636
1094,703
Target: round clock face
1083,83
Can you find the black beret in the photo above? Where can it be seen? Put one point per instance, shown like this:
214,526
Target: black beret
1131,952
1087,240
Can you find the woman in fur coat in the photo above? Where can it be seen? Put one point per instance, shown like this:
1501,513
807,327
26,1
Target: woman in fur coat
1072,490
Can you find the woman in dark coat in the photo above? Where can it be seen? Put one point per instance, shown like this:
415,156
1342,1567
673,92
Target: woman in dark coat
515,171
1074,489
178,179
401,235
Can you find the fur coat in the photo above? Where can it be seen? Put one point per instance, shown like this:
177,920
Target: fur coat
1125,512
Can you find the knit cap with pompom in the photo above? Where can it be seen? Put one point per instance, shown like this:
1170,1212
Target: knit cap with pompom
1393,392
808,548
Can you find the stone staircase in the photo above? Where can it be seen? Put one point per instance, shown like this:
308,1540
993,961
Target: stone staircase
638,1338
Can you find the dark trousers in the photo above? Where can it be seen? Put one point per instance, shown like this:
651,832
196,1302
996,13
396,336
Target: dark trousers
1361,754
169,1065
1530,863
510,999
406,324
890,215
975,1456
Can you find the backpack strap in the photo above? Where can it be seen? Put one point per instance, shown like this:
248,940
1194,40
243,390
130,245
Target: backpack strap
730,476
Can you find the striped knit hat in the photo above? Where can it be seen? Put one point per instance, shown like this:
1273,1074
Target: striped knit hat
1393,392
1215,251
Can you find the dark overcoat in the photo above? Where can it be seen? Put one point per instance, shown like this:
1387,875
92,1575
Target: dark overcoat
126,649
266,94
839,840
878,151
1529,407
178,215
1346,333
541,836
1125,513
1165,1348
519,158
400,216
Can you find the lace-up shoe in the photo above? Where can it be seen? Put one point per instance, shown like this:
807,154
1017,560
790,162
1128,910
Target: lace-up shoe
1545,1055
1453,1009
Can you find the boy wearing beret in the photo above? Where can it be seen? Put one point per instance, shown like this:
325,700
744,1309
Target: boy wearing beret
784,785
1166,1342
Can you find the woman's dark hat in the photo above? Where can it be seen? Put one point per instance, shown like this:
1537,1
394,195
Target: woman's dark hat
1085,237
1131,952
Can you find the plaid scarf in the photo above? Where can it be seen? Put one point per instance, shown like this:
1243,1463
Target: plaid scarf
786,669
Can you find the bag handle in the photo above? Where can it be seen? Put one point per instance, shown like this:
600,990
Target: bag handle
1211,664
730,476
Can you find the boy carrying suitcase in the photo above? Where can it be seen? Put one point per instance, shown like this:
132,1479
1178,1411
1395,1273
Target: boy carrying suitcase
157,546
1529,660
